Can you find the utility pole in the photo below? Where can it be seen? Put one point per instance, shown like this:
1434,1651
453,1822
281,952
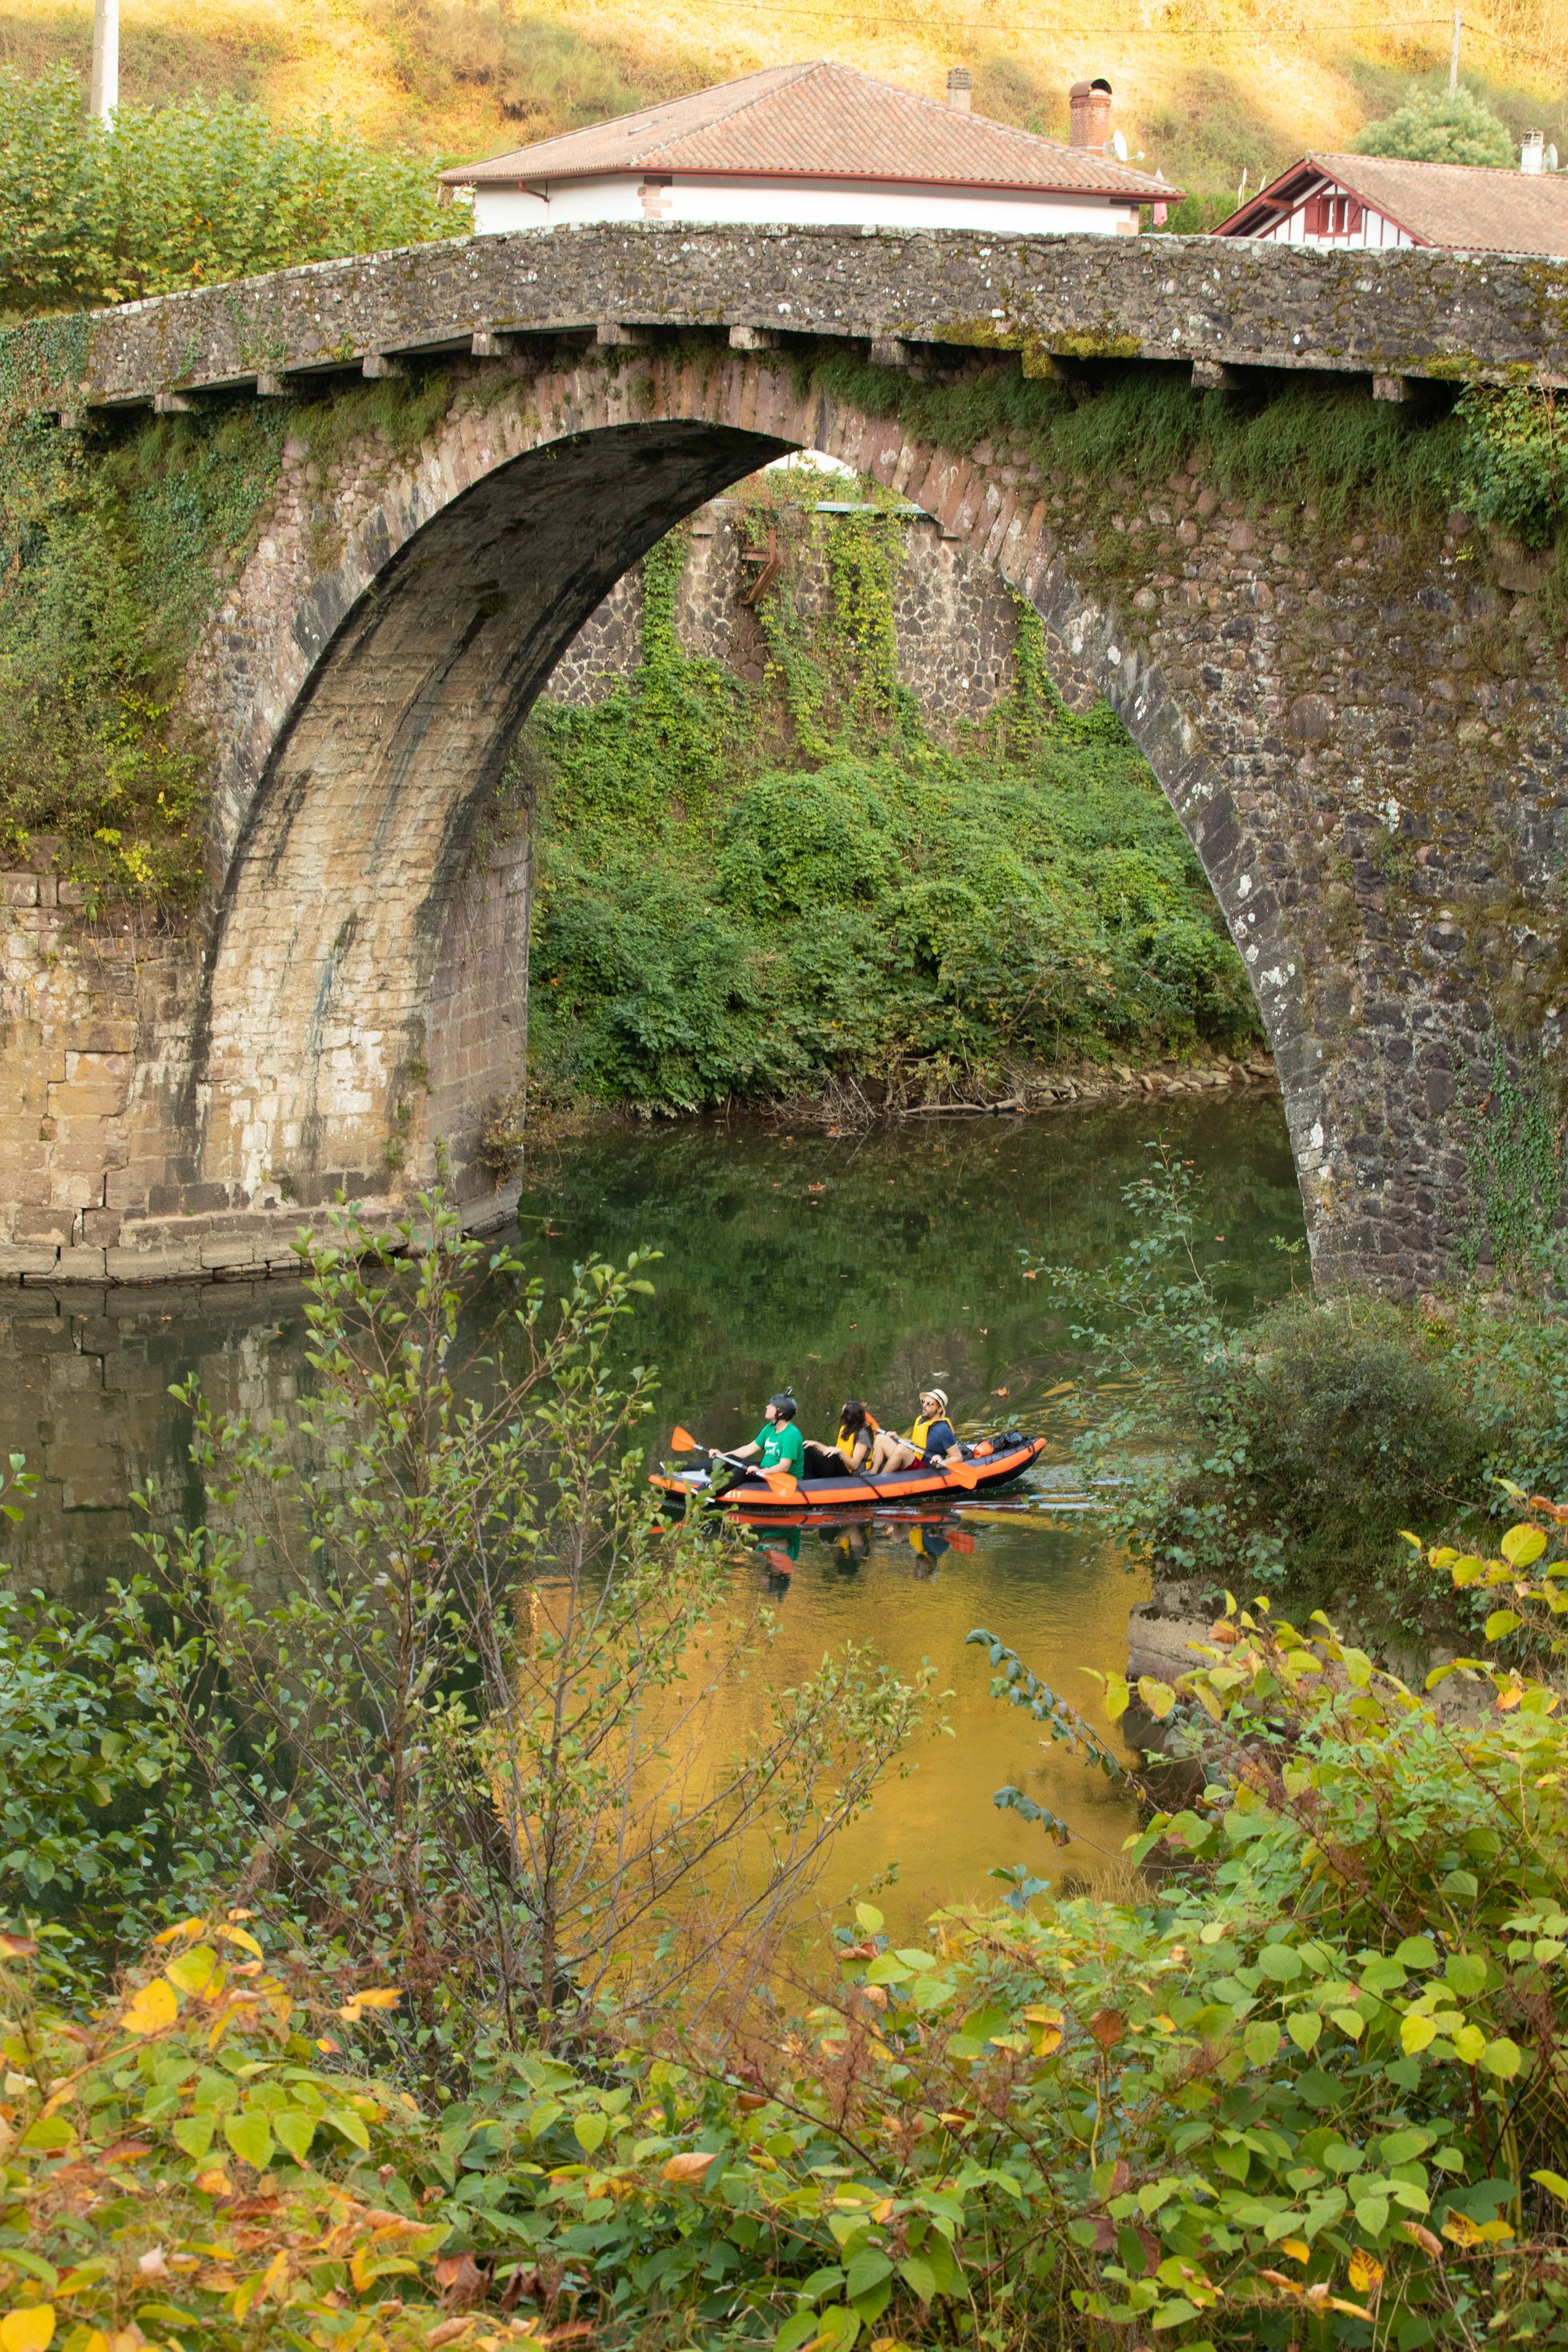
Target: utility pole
105,88
1453,53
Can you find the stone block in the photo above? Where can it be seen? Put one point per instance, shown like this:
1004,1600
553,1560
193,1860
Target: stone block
19,1258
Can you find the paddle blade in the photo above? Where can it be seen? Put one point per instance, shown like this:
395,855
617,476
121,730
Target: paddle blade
780,1481
683,1441
966,1473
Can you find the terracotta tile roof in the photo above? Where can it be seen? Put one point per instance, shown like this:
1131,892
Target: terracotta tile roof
1471,207
818,122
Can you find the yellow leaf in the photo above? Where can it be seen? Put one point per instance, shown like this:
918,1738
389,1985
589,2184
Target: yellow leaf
1415,2033
1045,2030
1460,2230
185,1928
1298,2250
1157,1696
237,1936
152,2010
215,2182
691,2164
30,2329
1365,2271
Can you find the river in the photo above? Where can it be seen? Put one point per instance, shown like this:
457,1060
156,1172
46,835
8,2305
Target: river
859,1265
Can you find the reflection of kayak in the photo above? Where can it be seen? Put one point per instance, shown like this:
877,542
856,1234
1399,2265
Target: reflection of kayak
995,1464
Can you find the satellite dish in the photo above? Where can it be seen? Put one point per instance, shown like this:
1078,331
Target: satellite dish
1118,146
1552,159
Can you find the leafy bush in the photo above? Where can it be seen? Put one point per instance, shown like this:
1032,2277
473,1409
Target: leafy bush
89,1769
1291,1449
461,1740
1441,126
1514,462
185,196
710,926
1310,2088
1318,1434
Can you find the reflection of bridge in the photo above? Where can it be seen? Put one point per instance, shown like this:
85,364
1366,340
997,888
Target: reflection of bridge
1364,734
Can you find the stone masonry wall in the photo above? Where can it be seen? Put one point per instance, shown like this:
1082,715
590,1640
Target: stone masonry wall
957,622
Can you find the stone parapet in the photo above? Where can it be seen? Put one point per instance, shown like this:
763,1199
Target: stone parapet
1240,302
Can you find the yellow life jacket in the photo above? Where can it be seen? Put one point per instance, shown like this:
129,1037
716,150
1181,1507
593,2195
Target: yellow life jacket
846,1440
919,1432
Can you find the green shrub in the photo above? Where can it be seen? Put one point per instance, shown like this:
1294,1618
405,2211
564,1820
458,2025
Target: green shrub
1318,1435
1441,126
185,195
1307,2089
745,891
1514,460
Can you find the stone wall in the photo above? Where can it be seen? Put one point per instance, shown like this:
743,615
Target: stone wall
957,622
1235,302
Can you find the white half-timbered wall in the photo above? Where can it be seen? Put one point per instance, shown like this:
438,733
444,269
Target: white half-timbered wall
1331,217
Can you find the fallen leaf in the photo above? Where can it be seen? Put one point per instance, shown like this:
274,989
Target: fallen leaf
1001,1391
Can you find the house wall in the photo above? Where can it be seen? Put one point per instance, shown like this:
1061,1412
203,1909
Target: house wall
805,203
1375,232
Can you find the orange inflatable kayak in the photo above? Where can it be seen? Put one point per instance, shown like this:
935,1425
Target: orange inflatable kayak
993,1463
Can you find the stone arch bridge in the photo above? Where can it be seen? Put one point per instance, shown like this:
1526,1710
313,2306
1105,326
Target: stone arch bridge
1364,734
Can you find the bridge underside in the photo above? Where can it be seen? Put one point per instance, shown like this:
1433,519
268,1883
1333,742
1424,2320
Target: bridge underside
369,987
1363,737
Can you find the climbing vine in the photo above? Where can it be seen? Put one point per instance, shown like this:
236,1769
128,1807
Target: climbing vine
1519,1176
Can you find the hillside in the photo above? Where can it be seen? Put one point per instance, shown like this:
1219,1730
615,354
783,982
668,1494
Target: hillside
1205,88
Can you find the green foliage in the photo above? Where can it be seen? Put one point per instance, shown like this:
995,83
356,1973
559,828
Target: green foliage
110,556
1315,1437
1441,126
1290,1450
1514,460
185,196
242,2188
1519,1176
459,1740
1333,447
1308,2087
87,1763
716,924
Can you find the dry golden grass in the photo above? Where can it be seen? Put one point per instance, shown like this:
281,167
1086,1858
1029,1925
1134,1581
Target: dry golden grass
1205,89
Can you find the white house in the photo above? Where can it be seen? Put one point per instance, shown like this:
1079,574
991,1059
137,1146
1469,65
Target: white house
1328,201
817,144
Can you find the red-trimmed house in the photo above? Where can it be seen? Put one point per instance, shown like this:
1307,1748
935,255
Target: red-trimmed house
1382,201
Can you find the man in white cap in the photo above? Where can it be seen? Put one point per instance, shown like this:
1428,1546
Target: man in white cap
930,1444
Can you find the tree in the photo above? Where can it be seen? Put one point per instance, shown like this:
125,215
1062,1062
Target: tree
456,1704
1441,126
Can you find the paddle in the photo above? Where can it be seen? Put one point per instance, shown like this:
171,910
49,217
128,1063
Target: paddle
780,1481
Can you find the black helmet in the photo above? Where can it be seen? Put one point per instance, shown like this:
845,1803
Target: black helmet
783,1404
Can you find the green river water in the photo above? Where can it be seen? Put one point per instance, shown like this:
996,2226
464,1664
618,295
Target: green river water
865,1266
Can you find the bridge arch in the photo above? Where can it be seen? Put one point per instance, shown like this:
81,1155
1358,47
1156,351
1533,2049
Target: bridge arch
365,990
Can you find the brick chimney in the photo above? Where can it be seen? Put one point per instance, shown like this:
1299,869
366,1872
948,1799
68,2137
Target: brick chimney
959,88
1090,104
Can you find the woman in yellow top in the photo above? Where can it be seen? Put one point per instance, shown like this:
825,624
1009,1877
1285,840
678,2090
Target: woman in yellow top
857,1434
931,1444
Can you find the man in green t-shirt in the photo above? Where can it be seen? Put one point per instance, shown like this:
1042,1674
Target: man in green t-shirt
778,1445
